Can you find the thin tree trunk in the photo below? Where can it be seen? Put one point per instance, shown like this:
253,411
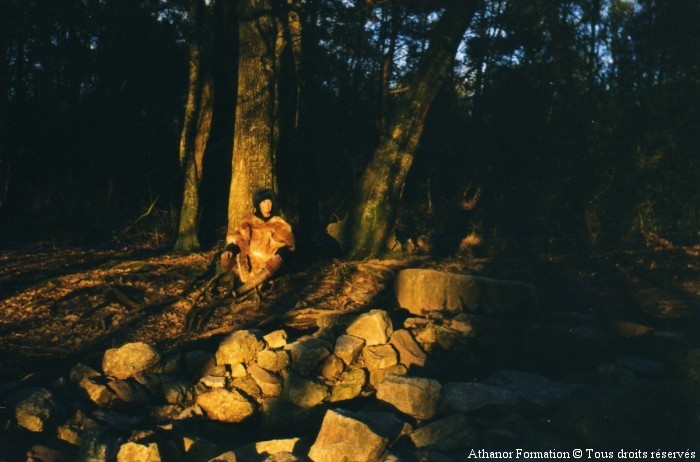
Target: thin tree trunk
381,185
195,132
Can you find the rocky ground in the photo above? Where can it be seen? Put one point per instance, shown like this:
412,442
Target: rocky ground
395,360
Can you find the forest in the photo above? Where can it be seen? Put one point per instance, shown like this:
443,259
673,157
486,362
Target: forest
550,149
546,121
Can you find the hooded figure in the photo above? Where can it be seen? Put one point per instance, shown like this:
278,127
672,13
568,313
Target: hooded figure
260,243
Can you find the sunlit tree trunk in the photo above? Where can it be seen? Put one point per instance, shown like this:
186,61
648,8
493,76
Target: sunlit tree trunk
264,35
195,130
381,185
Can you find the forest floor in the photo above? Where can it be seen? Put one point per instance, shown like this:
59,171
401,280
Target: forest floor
60,307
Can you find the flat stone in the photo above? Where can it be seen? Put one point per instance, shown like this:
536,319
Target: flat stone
374,327
273,360
377,376
128,392
75,429
177,392
424,290
213,382
379,357
348,347
129,360
349,385
343,437
447,434
467,397
269,383
534,388
276,339
307,355
134,452
332,367
81,371
240,347
225,405
416,397
100,394
303,392
410,353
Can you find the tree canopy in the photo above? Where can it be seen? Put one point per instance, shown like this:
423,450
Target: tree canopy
567,120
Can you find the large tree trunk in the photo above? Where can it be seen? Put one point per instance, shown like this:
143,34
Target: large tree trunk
256,133
195,130
381,185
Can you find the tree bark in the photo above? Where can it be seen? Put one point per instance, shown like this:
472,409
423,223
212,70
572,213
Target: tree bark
195,130
380,188
265,34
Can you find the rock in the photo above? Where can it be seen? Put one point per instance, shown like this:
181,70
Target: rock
34,411
98,393
373,327
97,449
307,355
416,397
628,329
303,392
269,383
423,331
129,360
81,371
447,434
248,385
410,353
379,357
177,392
423,290
343,437
641,366
40,453
237,370
273,360
332,367
198,449
128,392
225,406
256,451
385,424
134,452
534,388
467,397
349,385
166,412
240,347
276,339
213,382
229,456
348,347
377,376
76,430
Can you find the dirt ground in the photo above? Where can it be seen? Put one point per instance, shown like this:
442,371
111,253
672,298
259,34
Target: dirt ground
60,306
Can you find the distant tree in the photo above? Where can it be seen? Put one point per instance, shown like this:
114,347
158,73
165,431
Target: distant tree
196,127
380,188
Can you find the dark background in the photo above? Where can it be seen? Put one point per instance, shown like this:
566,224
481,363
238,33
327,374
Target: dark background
578,121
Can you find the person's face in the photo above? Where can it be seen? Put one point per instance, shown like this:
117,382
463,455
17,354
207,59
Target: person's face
266,208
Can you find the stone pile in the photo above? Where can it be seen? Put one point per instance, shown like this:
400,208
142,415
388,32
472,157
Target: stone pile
357,389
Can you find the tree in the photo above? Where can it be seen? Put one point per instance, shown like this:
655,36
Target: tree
196,127
380,188
268,31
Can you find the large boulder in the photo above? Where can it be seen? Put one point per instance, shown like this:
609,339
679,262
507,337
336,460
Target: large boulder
416,397
240,347
373,327
424,290
225,405
344,437
129,360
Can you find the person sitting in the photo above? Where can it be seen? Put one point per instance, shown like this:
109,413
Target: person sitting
257,249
